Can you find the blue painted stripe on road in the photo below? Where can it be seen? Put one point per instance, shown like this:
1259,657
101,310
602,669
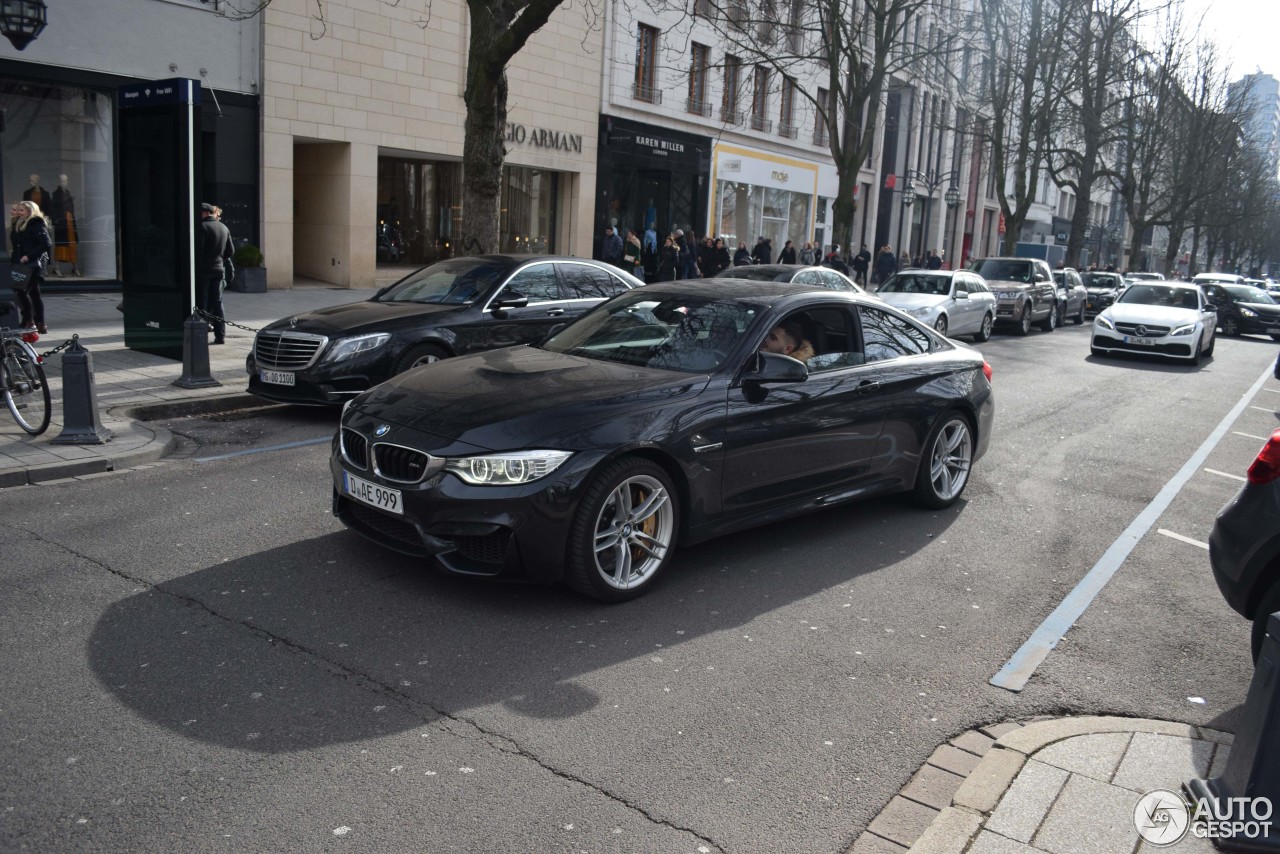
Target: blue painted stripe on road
1019,669
301,444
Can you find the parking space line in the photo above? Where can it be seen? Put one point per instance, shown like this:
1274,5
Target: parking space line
1015,673
301,444
1272,390
1251,436
1263,409
1227,474
1182,539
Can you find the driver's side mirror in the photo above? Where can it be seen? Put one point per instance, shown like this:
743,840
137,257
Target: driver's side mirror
511,299
1211,307
776,368
962,295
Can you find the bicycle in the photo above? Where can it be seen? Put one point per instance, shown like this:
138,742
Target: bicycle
22,382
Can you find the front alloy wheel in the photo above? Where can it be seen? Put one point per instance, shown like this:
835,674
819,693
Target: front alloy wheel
1024,322
944,470
624,532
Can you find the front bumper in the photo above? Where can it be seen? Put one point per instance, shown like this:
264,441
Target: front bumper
1260,325
1095,303
1244,545
321,384
1170,346
507,532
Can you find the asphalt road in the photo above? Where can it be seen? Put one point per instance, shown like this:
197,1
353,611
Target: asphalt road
199,658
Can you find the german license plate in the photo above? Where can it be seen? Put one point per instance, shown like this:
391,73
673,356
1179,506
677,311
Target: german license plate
390,500
278,377
1141,342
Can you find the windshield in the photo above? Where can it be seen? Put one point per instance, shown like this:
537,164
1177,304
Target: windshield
1242,293
755,274
1171,297
1100,280
1004,270
916,283
455,282
669,332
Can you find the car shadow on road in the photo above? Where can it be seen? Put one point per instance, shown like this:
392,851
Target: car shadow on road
333,640
1144,362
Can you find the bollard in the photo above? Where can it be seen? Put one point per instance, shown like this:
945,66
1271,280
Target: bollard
195,355
1253,768
80,422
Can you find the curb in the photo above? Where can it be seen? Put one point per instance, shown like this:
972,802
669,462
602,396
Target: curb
948,800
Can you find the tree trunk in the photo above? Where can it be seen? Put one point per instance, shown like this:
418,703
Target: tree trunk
483,149
844,206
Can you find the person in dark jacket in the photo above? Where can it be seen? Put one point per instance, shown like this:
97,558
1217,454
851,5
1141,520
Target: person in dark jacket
720,257
788,253
216,268
742,257
934,260
834,261
668,261
886,264
763,251
29,235
861,264
706,257
688,254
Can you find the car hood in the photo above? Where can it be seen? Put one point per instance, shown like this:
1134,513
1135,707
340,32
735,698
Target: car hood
1157,315
358,317
1100,289
910,301
507,398
1003,285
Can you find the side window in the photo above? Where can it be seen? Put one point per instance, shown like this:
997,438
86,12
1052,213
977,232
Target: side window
806,277
833,280
583,281
827,336
538,283
887,337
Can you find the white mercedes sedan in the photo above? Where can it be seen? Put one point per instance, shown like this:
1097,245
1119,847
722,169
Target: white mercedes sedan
1167,319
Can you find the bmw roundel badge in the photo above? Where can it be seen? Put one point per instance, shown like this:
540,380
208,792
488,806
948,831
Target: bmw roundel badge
382,430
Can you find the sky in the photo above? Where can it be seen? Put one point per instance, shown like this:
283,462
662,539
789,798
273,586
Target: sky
1247,31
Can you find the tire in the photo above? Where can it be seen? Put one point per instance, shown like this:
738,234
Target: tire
1050,323
946,462
1213,342
1024,321
26,391
1231,327
609,534
1194,359
984,334
1270,604
422,354
1080,315
940,325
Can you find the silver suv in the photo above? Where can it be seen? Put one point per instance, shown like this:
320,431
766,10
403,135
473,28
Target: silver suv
1024,290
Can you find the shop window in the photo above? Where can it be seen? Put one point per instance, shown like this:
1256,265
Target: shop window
646,65
57,151
526,222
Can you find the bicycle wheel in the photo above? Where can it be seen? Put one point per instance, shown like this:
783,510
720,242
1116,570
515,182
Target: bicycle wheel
26,391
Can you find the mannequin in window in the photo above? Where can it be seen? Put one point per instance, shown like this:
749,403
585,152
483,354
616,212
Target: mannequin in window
63,213
36,193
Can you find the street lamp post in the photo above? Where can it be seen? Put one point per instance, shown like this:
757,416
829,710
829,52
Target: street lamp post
930,182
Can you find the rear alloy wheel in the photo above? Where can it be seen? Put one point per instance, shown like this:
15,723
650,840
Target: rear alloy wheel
624,532
423,354
984,334
946,462
941,325
1024,321
1050,323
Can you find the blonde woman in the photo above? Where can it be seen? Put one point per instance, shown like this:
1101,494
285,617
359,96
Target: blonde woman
29,231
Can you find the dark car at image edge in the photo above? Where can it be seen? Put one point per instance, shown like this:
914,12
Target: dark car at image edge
450,308
655,420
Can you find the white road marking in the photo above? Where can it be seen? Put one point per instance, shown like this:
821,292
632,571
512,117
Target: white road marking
1227,474
1183,539
1263,409
1250,436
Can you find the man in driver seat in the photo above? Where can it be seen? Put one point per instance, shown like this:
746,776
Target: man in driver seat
788,338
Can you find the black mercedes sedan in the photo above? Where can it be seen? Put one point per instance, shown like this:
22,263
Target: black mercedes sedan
670,414
450,308
800,274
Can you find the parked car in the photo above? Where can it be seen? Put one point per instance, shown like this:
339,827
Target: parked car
1144,277
1071,295
655,420
1158,319
450,308
1244,310
1024,291
952,302
798,274
1244,547
1101,290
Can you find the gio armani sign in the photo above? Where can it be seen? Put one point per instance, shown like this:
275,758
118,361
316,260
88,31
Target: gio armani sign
543,138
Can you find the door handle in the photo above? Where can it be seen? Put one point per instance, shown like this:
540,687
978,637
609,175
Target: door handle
555,312
867,386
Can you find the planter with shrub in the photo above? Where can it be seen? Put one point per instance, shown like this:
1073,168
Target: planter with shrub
251,276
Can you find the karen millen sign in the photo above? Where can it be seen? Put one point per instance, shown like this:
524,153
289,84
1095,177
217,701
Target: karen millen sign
543,138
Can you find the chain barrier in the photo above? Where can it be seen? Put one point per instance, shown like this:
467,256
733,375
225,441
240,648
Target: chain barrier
213,318
56,350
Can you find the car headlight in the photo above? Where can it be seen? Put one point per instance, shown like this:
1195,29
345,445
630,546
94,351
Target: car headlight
1009,294
1184,330
920,312
1104,323
1247,312
507,469
345,348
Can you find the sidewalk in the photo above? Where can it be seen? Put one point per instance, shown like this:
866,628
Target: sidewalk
1061,786
126,379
